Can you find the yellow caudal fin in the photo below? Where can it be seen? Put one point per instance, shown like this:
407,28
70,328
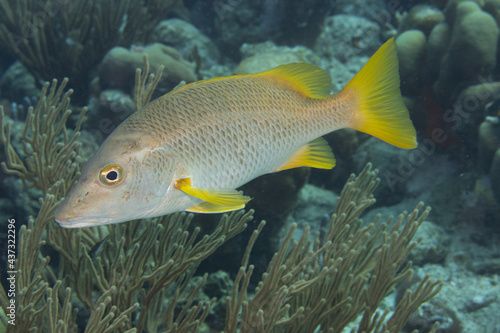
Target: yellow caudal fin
379,108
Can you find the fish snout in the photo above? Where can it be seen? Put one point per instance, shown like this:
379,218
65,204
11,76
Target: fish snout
67,218
65,215
78,211
70,214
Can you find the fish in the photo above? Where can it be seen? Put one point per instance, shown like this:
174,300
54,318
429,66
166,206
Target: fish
191,149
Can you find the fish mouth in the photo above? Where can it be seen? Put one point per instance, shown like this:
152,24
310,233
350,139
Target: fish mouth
81,222
68,219
73,224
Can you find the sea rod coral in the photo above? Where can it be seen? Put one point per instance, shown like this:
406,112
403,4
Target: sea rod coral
31,30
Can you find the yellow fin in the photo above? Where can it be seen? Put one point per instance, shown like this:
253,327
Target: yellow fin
380,110
309,80
208,207
315,154
218,196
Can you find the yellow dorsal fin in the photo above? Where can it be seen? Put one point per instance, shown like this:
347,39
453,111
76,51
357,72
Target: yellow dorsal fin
315,154
218,196
208,207
309,80
380,110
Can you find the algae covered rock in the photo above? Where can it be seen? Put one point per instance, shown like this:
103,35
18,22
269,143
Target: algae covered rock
469,112
314,202
437,45
395,165
18,83
363,8
495,175
476,35
489,142
450,10
471,54
265,56
421,17
290,22
107,112
432,246
411,51
186,39
345,36
117,70
478,96
489,150
493,8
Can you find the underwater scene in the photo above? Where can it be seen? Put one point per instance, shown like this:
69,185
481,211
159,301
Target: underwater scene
250,166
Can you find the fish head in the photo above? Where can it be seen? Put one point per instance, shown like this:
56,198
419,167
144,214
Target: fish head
128,178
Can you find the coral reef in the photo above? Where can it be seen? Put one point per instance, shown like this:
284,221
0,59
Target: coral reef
411,52
306,287
476,32
489,151
18,82
346,36
448,64
117,69
265,56
421,17
150,276
188,40
45,131
461,46
233,23
366,8
67,38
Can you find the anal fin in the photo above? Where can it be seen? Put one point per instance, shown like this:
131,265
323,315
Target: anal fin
315,154
208,207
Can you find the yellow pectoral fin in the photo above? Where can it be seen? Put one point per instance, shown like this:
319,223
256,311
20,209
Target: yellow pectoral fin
218,196
315,154
208,207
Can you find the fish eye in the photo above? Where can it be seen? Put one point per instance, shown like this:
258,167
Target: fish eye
111,175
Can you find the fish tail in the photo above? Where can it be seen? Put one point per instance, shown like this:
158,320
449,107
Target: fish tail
378,107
